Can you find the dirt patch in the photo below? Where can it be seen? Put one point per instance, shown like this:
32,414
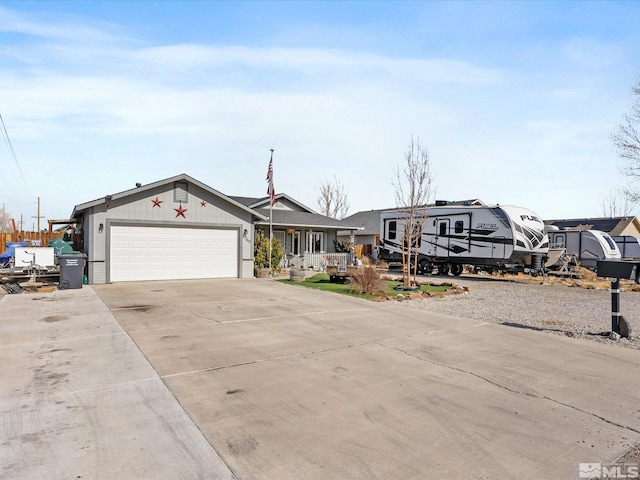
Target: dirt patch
243,446
583,278
233,392
137,308
54,318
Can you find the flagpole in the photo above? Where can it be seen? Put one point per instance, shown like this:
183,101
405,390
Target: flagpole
271,217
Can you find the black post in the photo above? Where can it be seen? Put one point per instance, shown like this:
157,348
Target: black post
615,305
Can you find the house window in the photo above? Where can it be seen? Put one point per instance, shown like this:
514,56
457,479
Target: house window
293,242
180,192
458,227
393,228
315,242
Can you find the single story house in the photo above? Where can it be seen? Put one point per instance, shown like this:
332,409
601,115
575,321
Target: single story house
368,237
305,235
614,226
180,228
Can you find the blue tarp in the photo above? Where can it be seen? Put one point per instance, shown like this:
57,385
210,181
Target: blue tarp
10,252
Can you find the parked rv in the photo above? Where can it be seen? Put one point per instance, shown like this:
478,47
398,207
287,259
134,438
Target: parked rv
586,246
505,238
629,246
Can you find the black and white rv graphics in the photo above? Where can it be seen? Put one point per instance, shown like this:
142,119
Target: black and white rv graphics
493,237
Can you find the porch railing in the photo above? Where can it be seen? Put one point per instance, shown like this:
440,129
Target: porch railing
319,261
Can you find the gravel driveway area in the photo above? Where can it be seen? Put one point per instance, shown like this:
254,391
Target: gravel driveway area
548,307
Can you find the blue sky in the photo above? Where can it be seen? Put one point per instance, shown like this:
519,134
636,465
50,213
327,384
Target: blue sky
516,101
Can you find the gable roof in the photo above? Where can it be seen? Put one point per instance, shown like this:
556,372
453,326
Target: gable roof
182,177
263,202
614,226
293,218
368,219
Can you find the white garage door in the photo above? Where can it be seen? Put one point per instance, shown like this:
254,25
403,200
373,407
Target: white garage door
163,253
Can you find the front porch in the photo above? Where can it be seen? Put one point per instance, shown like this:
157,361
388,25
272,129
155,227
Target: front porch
318,261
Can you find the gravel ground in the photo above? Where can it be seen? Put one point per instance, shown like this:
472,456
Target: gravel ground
548,307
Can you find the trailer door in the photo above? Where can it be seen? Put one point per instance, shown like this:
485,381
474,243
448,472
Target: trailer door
443,237
559,240
498,247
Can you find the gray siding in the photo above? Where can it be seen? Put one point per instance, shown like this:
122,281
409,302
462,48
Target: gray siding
139,209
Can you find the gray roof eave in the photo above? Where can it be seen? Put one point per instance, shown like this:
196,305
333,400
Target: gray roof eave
85,206
307,225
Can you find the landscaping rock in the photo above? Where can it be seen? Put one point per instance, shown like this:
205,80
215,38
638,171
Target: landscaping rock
625,328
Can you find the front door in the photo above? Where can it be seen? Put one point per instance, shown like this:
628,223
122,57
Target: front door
443,237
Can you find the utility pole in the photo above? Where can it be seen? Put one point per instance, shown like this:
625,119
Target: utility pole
38,216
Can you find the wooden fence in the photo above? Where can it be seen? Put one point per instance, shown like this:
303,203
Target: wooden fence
34,238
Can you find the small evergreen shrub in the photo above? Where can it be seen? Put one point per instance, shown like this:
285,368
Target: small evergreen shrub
261,252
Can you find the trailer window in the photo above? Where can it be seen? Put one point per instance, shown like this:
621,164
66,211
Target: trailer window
443,229
458,226
392,229
609,240
558,240
417,235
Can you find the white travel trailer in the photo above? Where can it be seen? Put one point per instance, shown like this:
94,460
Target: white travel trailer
587,246
493,237
629,246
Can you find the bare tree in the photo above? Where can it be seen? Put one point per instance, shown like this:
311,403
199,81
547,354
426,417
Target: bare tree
614,206
626,138
5,221
413,185
332,199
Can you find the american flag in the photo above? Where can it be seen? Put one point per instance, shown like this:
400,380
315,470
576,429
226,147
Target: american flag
270,190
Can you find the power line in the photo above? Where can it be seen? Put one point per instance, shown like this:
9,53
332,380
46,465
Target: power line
7,141
8,191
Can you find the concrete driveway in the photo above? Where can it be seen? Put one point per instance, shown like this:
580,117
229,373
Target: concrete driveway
290,383
281,382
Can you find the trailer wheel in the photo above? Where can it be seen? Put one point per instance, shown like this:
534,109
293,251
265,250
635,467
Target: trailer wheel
443,269
456,269
425,267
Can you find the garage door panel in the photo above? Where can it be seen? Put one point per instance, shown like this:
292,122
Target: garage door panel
165,253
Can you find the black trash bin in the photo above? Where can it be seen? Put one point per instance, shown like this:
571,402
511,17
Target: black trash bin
71,270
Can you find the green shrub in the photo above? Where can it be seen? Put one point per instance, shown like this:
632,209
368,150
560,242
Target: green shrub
342,247
261,252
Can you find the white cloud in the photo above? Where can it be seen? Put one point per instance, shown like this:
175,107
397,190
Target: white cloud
592,53
112,110
57,27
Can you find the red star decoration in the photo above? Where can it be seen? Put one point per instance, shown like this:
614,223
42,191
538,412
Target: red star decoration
157,202
180,211
203,203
